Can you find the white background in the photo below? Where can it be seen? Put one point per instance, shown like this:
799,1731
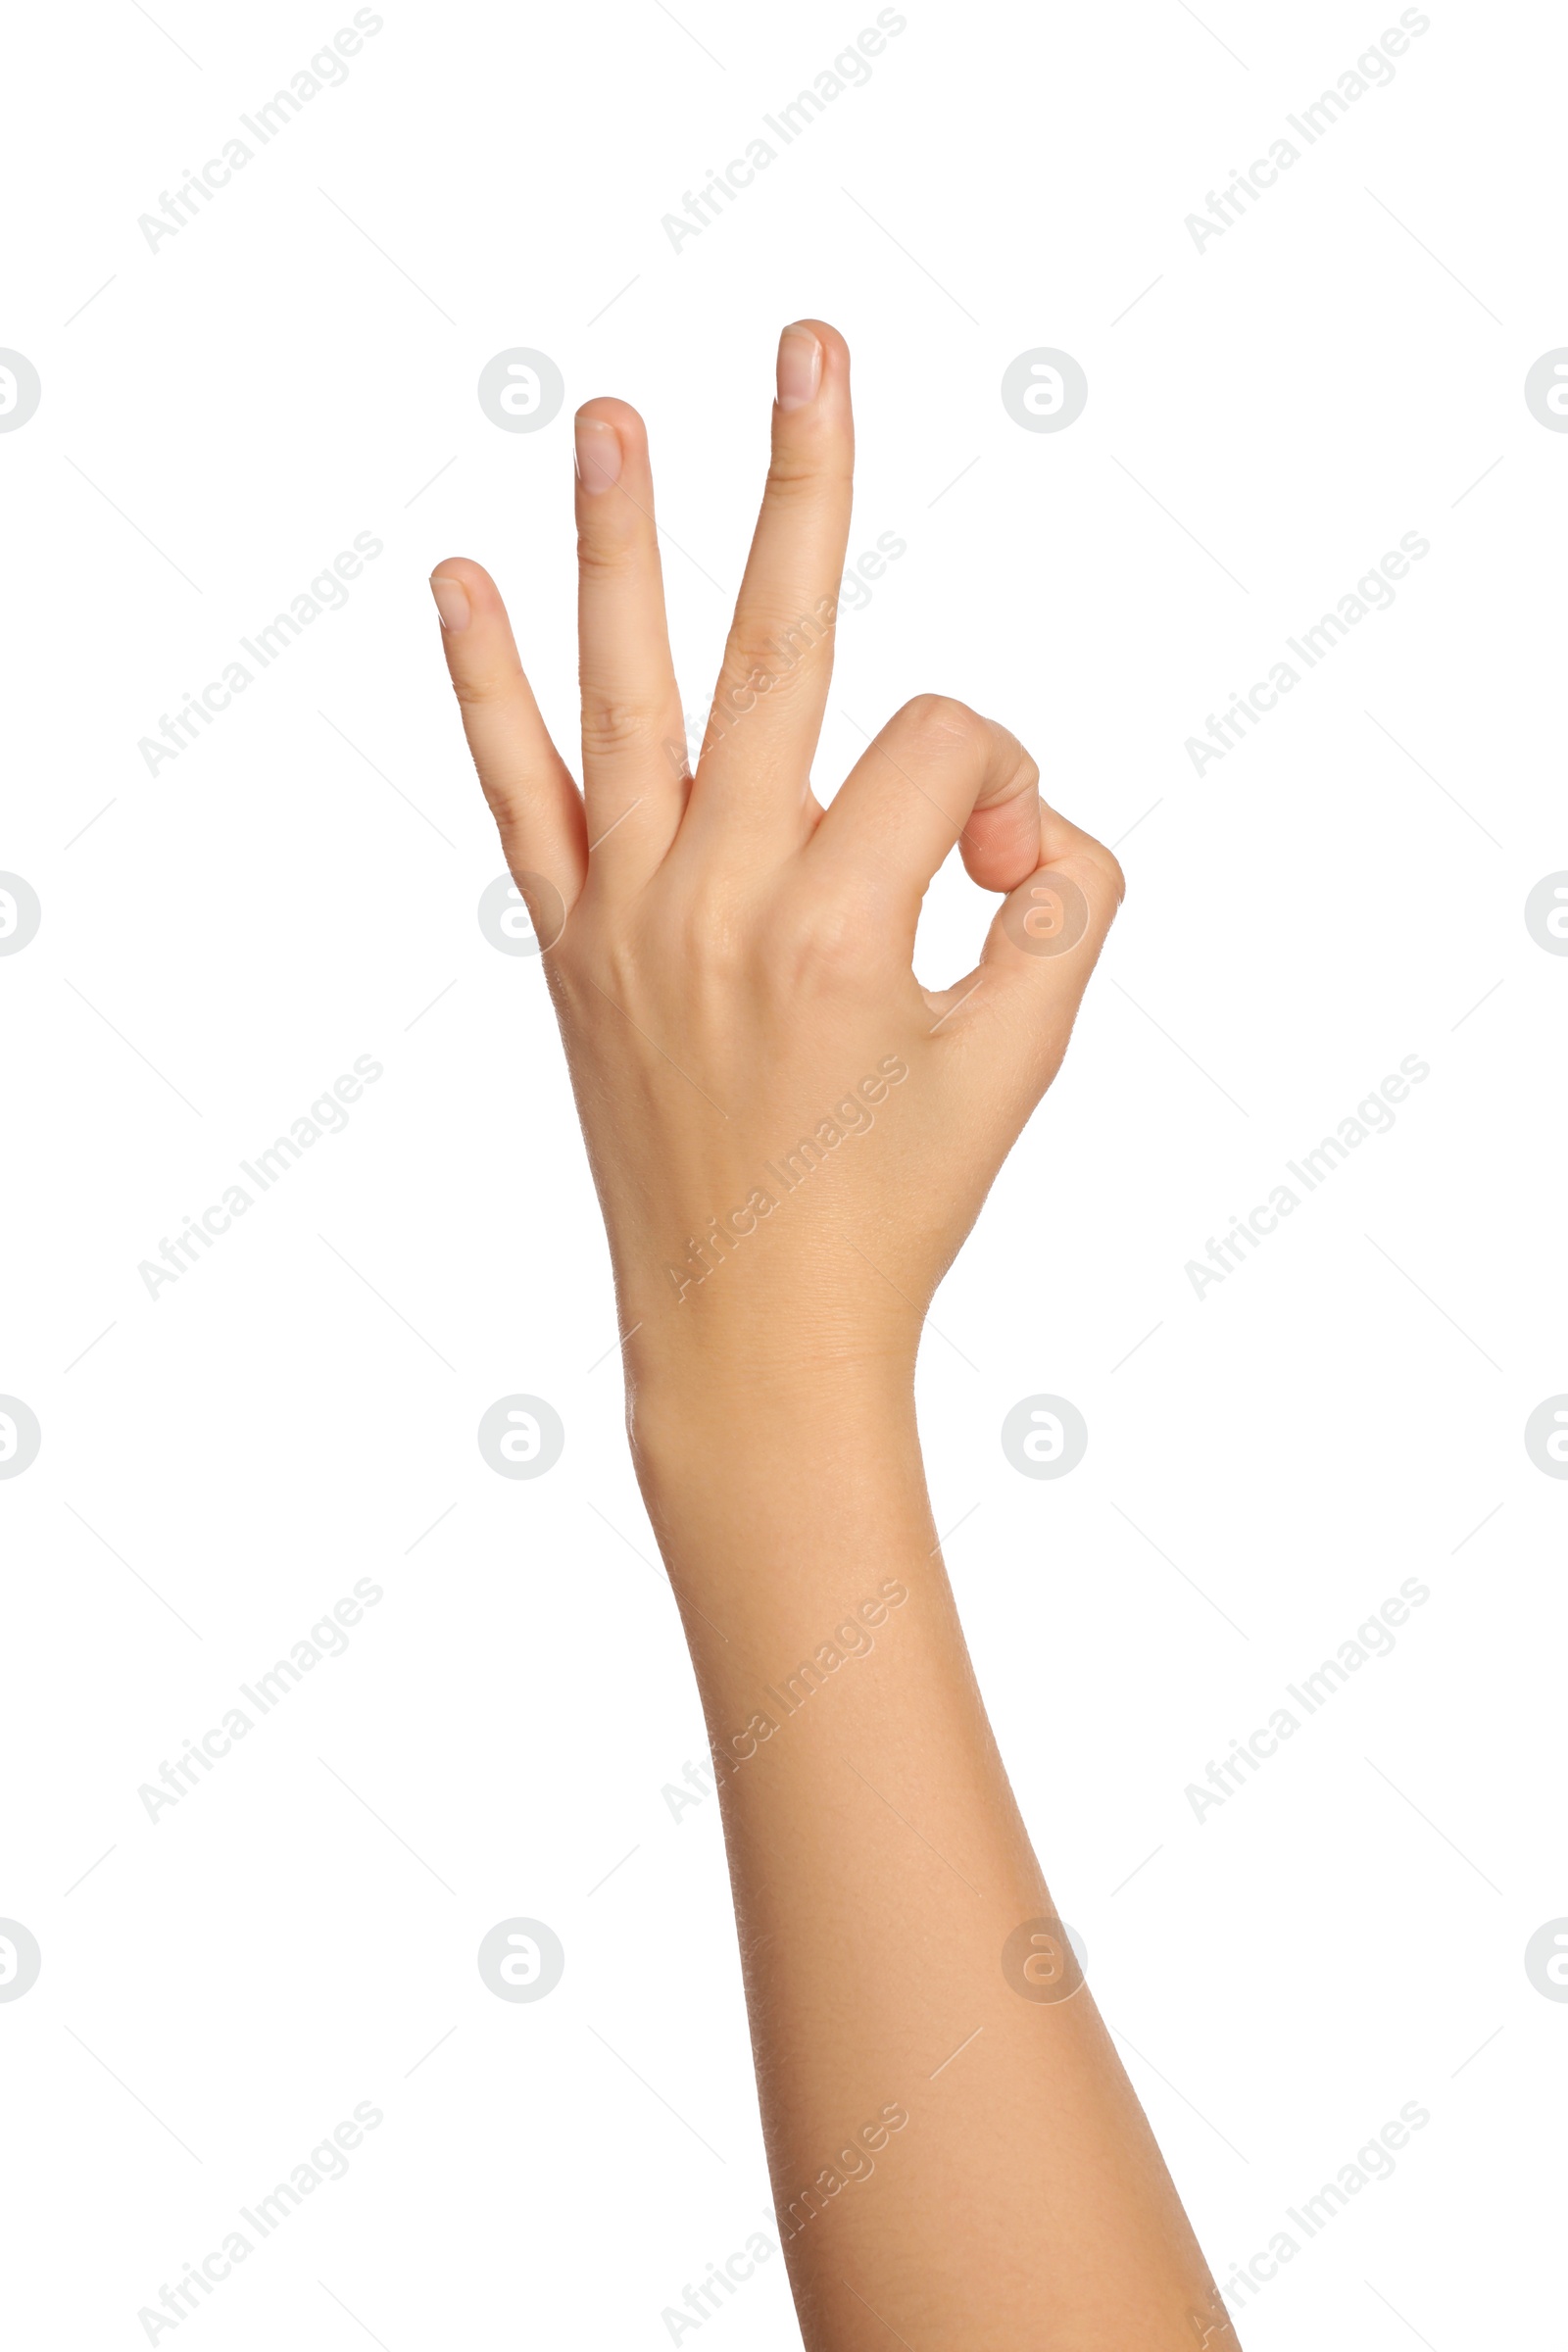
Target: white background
1345,1934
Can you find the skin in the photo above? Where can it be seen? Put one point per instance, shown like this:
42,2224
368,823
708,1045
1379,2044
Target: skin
957,2158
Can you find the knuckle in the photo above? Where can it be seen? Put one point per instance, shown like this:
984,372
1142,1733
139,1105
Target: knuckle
602,557
1015,779
839,941
940,725
1100,871
766,655
798,472
821,944
790,480
478,690
610,726
1110,866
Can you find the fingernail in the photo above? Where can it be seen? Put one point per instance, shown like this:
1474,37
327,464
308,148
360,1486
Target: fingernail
799,366
451,601
598,455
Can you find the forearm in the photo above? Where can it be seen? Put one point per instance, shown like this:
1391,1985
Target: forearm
880,1867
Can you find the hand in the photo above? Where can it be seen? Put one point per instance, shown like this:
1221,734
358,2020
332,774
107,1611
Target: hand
791,1138
790,1135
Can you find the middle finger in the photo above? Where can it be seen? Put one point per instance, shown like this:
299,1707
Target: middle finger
754,777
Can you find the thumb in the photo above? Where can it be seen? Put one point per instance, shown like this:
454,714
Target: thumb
1041,947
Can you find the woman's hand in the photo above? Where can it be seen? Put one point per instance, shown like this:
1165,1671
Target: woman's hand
791,1137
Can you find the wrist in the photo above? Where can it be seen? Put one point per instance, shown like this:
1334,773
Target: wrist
774,1413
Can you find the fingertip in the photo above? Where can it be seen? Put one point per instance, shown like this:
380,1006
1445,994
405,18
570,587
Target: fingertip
606,409
835,349
463,593
812,367
450,591
1061,838
610,442
1001,846
614,427
1003,838
473,578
